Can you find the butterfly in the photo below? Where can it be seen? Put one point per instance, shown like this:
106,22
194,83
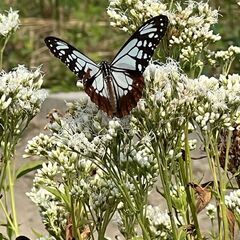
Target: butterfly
114,87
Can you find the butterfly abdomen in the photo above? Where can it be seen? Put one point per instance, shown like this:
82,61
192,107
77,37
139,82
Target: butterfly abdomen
111,95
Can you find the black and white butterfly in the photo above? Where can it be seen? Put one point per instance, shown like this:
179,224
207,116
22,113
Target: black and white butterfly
116,87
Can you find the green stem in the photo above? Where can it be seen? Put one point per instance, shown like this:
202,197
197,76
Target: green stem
7,215
211,163
171,4
73,218
2,50
12,195
166,188
189,177
222,184
189,173
140,221
227,66
116,177
106,219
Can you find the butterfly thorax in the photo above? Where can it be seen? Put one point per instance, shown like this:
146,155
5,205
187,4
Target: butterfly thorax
106,71
105,68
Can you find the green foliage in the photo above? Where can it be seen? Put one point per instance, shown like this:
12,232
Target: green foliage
27,168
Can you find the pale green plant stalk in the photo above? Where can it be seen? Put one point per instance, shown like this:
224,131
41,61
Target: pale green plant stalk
5,41
166,182
8,180
219,176
188,179
8,177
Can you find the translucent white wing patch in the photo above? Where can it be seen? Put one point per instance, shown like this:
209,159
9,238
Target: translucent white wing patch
122,83
99,86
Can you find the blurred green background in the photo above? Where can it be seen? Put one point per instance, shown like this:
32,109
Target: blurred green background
85,24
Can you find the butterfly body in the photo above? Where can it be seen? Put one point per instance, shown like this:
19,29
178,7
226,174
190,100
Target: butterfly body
110,100
114,87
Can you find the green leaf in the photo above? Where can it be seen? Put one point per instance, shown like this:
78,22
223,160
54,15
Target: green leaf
58,194
28,167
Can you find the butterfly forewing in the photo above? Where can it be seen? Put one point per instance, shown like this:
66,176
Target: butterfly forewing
138,50
76,61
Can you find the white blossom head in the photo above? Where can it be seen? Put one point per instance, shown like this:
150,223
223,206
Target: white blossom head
211,211
9,22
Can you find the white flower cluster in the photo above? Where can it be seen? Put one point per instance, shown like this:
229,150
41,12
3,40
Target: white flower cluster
179,198
221,55
103,193
167,91
9,23
192,29
217,100
190,24
177,191
84,130
39,145
233,201
94,187
225,55
53,214
159,222
143,157
82,153
20,91
208,100
122,12
112,130
60,158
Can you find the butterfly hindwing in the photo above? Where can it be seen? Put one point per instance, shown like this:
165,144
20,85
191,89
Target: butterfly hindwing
128,86
76,61
96,89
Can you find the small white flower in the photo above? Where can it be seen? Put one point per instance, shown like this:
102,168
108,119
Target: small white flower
211,211
4,103
9,23
233,200
160,224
